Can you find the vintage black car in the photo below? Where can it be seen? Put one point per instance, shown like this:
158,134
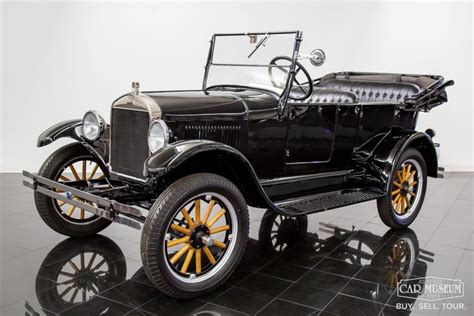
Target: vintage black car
260,132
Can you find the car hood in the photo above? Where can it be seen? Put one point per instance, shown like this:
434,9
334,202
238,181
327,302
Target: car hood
222,103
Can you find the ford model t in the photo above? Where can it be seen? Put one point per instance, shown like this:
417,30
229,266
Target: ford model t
261,132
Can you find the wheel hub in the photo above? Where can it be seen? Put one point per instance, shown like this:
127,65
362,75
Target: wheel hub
200,237
405,188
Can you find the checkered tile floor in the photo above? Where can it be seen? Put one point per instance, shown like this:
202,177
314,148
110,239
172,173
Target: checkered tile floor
339,262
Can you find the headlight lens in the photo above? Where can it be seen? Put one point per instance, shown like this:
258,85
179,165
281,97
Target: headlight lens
92,125
158,136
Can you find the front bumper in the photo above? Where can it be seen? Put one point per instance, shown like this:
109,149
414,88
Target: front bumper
105,208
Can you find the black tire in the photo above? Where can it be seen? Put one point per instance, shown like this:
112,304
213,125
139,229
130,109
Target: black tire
164,210
386,210
47,207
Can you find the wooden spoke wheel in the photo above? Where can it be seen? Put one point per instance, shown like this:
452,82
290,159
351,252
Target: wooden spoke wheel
405,192
199,236
194,235
75,166
78,170
405,188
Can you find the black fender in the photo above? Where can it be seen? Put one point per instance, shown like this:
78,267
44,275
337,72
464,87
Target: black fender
62,129
389,150
71,129
192,156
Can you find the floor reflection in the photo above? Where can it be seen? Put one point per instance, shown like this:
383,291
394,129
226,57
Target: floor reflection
292,262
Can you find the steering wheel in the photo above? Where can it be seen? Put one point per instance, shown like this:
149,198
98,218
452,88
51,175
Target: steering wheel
299,67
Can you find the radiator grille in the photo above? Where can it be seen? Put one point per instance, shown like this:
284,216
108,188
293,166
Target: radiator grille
129,147
227,134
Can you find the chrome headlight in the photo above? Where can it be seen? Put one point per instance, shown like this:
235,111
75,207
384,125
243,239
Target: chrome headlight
158,135
92,125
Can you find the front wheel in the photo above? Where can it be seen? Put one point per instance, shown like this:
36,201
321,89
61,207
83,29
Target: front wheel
71,163
195,235
406,192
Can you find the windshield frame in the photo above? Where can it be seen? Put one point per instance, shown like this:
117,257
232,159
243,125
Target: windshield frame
284,94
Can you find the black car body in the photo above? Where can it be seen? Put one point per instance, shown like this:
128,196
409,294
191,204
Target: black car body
294,147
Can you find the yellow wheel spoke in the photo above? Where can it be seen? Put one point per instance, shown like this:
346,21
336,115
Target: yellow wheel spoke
408,201
404,174
188,259
411,193
94,170
215,218
197,209
101,177
397,184
408,172
177,241
180,229
71,210
219,229
60,203
187,217
74,172
208,211
179,254
395,191
412,183
399,176
82,213
219,244
397,198
84,169
198,261
64,178
209,255
402,210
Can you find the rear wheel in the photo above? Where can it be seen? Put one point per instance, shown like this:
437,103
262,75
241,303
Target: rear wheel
406,192
68,164
194,235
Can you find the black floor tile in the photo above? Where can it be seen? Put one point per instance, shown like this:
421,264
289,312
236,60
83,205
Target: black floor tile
307,295
164,305
98,306
367,290
283,270
279,307
263,284
243,300
347,305
211,309
131,293
327,281
338,267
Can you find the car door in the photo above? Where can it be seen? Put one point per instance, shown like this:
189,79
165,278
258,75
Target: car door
311,134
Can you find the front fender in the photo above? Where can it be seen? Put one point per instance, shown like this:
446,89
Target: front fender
191,155
173,155
62,129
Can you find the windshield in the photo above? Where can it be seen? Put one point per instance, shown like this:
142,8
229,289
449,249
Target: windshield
246,60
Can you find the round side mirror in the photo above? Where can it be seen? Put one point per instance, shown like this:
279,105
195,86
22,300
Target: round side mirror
317,57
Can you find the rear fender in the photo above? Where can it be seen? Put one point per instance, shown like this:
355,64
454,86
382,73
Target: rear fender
192,156
388,153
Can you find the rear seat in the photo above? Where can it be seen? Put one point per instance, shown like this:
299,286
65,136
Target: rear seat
378,88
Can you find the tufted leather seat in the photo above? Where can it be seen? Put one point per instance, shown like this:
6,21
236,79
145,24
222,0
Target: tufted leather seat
367,88
327,95
367,91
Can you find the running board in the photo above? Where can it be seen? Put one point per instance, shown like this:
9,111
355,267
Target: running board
327,201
